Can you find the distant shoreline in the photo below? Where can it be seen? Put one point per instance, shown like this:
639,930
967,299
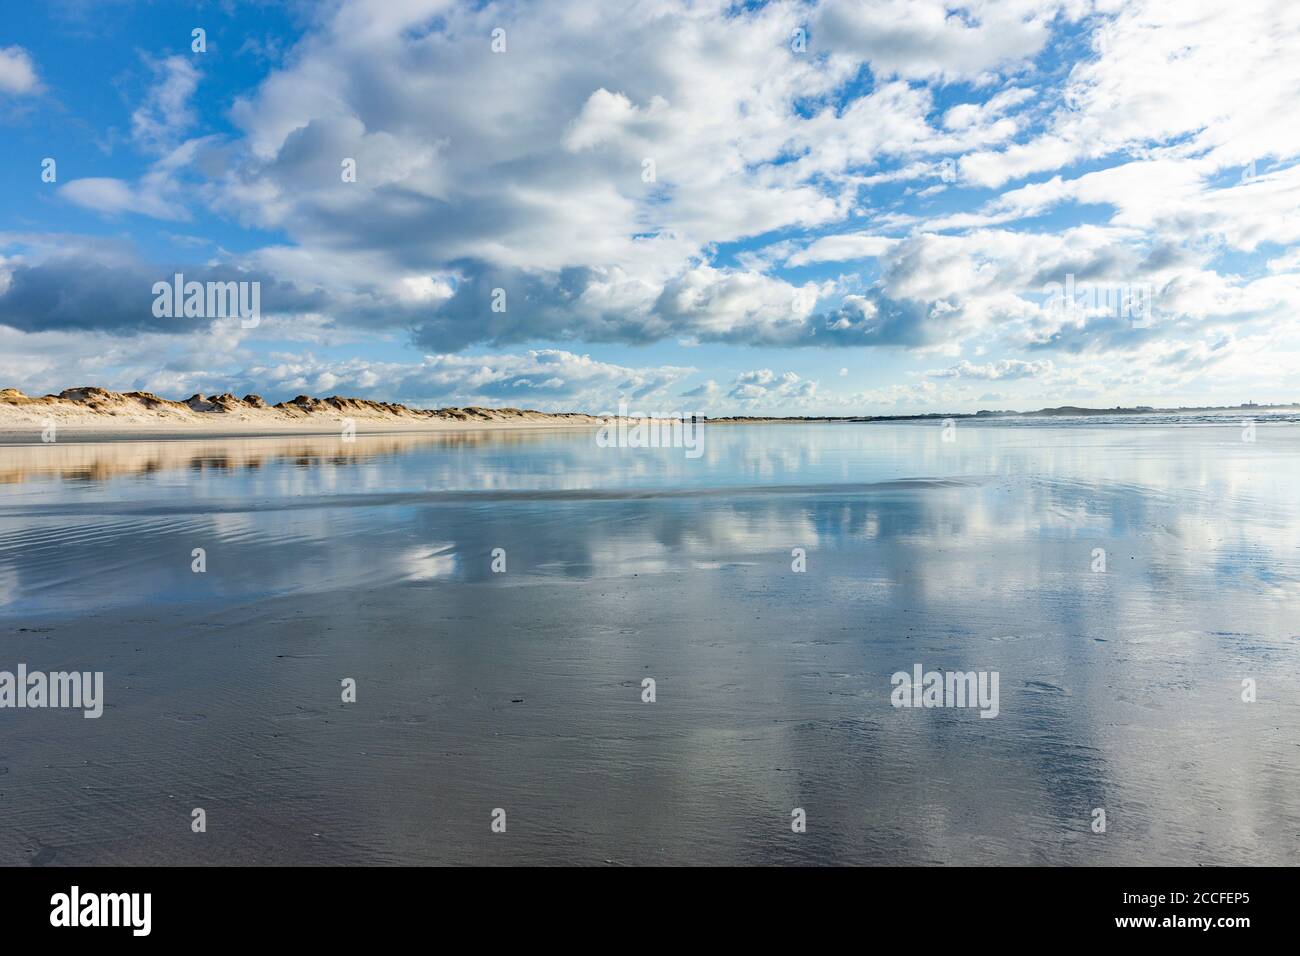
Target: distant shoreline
1062,411
96,414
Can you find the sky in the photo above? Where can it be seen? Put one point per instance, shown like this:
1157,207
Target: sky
811,208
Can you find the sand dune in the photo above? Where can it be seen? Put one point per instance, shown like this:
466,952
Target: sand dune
94,409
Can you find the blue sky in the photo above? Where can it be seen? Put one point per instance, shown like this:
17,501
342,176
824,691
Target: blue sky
795,208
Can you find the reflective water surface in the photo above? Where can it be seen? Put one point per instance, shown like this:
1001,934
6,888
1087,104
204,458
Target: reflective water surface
1120,688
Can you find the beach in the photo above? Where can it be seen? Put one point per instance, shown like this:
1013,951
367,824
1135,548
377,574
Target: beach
523,689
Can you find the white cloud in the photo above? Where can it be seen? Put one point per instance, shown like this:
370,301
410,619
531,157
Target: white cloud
114,196
921,39
166,112
842,248
544,379
1199,77
763,389
1003,369
965,115
17,72
529,171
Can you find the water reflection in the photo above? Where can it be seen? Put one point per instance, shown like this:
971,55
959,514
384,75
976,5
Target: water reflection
113,524
101,461
1120,689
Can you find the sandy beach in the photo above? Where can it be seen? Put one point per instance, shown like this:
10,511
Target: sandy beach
522,688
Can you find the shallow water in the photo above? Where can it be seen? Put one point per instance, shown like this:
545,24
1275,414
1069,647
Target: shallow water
522,690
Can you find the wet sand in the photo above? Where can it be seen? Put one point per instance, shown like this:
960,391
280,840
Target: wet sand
522,690
15,435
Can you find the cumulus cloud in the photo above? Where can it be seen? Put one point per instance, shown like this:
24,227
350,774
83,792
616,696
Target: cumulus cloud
86,283
544,379
765,389
17,72
920,39
914,180
841,248
995,371
1196,77
706,393
219,359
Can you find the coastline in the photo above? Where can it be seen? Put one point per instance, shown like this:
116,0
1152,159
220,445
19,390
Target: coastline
92,414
